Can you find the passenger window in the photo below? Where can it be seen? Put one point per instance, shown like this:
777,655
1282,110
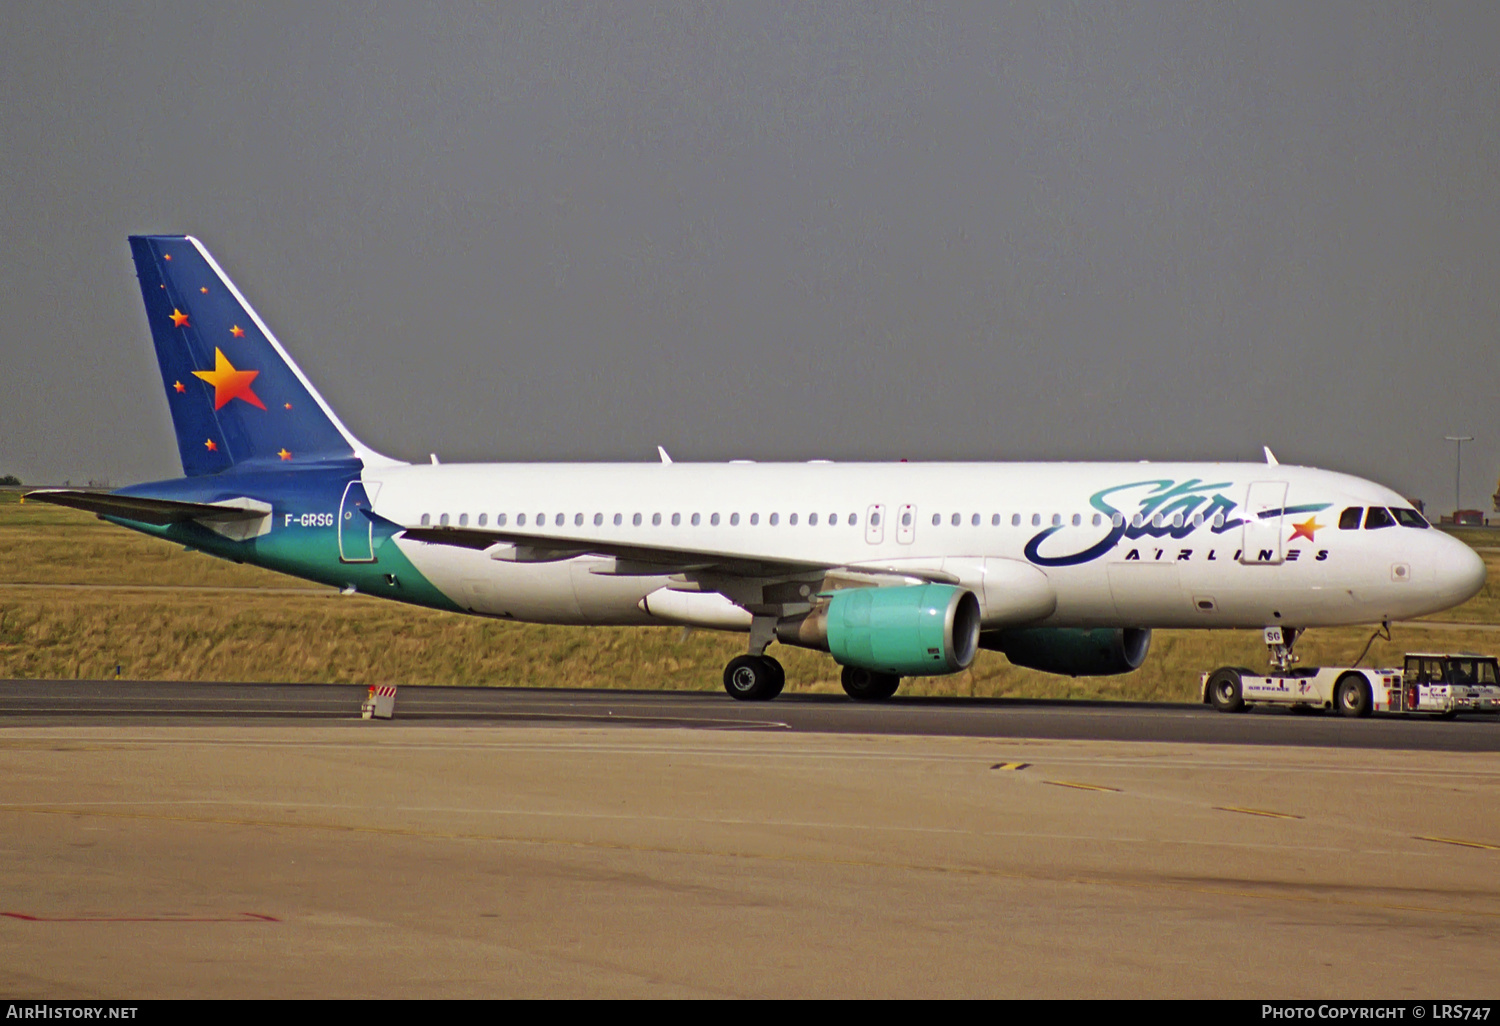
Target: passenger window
541,520
484,518
618,518
906,519
937,518
774,519
1117,520
1156,520
1036,520
995,520
1349,519
656,520
697,520
426,519
1176,519
463,520
559,519
676,519
443,520
1099,519
636,520
713,521
1015,520
874,519
520,519
792,520
1197,519
1077,519
577,519
500,519
974,520
1377,517
1057,520
956,519
754,519
854,519
812,520
734,520
598,519
1218,520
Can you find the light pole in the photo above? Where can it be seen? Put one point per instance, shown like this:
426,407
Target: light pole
1458,469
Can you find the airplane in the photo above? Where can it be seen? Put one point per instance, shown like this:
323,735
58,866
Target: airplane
895,569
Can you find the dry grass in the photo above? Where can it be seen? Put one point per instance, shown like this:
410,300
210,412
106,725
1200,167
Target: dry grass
250,633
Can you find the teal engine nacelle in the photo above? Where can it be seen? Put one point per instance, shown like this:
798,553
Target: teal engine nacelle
917,631
1073,652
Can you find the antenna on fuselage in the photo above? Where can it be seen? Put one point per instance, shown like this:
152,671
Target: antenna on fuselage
1271,456
663,454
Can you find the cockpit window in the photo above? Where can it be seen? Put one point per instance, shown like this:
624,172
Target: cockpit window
1349,519
1378,517
1408,517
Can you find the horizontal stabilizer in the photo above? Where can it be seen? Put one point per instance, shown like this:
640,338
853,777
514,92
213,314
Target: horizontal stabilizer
152,511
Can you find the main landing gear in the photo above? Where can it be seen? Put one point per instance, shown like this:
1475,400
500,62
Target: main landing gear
868,685
754,678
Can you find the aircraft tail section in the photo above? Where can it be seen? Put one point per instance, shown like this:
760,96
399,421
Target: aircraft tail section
235,395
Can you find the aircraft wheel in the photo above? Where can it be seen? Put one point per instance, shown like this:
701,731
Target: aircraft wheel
1224,690
1351,695
750,678
868,685
777,673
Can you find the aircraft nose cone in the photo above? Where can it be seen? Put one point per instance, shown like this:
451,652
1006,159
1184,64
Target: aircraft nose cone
1460,571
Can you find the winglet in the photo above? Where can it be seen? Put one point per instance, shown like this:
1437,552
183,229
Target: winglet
1271,456
663,453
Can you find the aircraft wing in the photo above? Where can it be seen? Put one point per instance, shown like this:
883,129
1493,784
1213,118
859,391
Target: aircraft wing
151,511
631,559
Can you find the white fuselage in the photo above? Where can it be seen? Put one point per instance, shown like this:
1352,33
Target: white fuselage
1056,520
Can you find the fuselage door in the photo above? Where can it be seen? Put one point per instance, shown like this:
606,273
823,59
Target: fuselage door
1264,502
356,531
906,524
875,524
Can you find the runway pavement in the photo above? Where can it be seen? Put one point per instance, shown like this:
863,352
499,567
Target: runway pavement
103,702
259,840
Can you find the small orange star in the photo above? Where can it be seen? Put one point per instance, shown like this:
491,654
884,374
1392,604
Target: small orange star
284,454
237,331
204,290
209,444
289,406
179,319
161,286
166,256
1306,529
179,386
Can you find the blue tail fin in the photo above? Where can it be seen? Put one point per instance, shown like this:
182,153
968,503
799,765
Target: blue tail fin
236,396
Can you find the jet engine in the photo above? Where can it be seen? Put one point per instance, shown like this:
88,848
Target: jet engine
914,631
1073,652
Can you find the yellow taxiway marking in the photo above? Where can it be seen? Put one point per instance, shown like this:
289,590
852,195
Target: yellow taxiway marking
1257,812
1010,765
1081,787
1460,843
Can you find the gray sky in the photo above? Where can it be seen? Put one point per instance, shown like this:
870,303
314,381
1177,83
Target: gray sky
775,231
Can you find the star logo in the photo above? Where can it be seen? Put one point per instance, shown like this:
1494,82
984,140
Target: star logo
230,383
179,319
289,406
178,386
284,454
1306,529
166,256
204,290
237,331
210,446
